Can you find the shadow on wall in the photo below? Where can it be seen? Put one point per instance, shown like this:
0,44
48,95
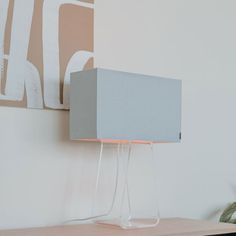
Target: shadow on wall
63,127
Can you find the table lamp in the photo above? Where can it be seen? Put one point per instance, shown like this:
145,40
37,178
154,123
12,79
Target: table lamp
124,109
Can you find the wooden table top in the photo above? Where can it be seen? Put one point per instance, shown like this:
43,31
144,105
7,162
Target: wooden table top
166,227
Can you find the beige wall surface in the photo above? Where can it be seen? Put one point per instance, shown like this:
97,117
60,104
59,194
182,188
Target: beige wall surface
45,178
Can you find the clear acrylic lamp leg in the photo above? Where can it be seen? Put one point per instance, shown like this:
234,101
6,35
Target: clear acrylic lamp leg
133,197
134,203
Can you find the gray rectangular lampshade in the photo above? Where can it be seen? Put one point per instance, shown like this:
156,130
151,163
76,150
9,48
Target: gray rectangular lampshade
108,105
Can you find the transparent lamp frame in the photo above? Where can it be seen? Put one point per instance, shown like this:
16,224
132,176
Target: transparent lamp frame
124,221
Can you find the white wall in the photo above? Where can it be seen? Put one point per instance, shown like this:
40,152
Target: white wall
192,40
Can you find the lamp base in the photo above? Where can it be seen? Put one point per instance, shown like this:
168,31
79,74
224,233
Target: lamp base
129,224
125,210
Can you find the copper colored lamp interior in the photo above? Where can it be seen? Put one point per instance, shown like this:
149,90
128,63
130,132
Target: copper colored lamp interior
119,141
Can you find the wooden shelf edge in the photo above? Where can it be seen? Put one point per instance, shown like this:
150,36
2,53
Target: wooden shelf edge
166,227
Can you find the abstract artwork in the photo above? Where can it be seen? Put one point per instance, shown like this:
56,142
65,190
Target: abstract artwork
41,43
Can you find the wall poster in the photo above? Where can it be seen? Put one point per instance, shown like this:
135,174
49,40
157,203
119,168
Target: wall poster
41,43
